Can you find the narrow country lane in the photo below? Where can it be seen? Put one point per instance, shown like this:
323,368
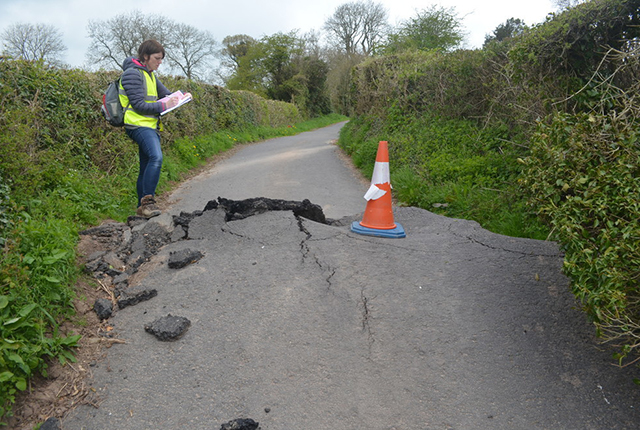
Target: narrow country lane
300,325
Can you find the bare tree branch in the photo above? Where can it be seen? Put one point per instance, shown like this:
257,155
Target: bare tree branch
39,42
357,27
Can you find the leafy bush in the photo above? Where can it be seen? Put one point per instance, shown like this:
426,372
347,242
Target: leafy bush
583,177
563,99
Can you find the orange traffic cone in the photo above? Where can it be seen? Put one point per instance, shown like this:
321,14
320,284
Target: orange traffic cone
378,215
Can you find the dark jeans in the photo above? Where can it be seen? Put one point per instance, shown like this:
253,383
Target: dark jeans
148,141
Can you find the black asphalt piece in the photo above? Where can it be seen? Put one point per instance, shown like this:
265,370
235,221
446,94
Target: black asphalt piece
241,424
51,424
183,257
132,299
103,308
150,238
168,328
240,209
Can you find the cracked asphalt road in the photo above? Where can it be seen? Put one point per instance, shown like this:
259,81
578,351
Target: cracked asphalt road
300,325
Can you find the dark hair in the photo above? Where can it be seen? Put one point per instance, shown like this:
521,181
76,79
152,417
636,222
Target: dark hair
149,47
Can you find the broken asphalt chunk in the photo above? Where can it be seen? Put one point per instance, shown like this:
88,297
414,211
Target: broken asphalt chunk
132,299
240,209
183,257
52,423
103,308
168,328
240,424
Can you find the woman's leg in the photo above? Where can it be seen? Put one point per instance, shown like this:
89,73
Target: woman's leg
150,154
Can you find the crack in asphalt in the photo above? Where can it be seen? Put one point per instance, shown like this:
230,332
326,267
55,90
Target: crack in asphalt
306,253
366,317
496,248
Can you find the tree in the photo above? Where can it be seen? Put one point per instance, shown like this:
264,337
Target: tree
243,57
357,27
567,4
339,79
434,28
188,50
283,66
280,52
234,48
39,42
115,39
510,28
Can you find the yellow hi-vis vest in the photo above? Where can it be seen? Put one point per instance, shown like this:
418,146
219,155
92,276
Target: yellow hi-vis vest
131,117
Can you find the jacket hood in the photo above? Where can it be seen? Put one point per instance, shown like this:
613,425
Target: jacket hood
130,62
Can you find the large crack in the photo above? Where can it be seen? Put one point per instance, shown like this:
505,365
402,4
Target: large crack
497,248
307,254
129,246
366,319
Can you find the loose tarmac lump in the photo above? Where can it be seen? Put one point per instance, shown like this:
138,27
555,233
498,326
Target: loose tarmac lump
241,424
168,328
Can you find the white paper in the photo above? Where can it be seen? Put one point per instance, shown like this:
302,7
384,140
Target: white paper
374,193
182,100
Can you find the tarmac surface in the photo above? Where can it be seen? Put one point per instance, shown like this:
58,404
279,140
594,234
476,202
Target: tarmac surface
300,325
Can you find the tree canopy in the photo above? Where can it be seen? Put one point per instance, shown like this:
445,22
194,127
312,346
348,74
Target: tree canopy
357,27
510,28
434,28
283,66
188,49
34,42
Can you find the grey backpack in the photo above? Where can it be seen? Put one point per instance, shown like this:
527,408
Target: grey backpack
111,107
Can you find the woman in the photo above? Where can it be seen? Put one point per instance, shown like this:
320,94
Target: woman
140,91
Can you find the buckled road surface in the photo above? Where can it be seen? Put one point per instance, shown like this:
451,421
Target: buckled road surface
305,326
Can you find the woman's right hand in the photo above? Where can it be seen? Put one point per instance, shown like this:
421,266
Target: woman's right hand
173,101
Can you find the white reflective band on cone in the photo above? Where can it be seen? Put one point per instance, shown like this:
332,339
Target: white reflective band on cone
374,193
380,173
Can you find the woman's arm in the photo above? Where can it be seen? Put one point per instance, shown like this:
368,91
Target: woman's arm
133,84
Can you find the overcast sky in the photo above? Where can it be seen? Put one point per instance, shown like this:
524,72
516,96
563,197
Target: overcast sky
253,17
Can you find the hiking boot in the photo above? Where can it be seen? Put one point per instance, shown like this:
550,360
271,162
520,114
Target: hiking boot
148,208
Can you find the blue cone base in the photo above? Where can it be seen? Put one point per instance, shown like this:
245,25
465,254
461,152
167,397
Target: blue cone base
395,233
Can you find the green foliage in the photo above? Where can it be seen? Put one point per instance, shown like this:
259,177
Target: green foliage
5,210
435,28
455,85
37,267
24,344
512,27
569,46
583,177
281,68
